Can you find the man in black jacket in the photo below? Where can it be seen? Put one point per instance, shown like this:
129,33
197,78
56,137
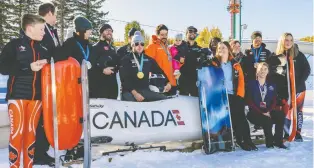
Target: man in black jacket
188,78
256,54
127,48
51,42
134,73
104,60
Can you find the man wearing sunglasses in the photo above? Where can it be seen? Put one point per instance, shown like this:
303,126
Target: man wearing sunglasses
134,73
159,51
104,60
188,78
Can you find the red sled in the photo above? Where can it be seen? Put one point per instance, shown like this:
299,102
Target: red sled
69,111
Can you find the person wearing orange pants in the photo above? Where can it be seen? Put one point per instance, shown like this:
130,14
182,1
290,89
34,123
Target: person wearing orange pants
22,59
24,116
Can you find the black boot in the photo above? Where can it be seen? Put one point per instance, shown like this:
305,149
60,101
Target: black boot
271,146
244,146
281,145
44,159
298,138
252,145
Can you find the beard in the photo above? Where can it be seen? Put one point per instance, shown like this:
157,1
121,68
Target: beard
164,40
107,37
191,37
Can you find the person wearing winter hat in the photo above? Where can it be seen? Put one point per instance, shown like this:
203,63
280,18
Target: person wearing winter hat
127,48
178,52
78,45
188,78
256,54
134,73
79,48
104,60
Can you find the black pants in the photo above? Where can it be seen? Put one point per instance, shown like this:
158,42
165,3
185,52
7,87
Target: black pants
188,86
239,123
41,143
146,93
277,117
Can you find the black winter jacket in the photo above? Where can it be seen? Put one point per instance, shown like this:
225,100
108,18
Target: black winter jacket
103,86
249,60
15,60
128,72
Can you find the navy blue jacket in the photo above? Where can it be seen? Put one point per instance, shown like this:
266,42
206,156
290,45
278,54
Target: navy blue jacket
254,97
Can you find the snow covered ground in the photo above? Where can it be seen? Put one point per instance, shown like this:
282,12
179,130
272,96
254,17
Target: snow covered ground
299,154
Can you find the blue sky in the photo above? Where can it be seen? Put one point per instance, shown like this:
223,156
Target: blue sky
272,17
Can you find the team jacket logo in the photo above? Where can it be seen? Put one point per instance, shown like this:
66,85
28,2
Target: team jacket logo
22,48
138,119
106,48
12,154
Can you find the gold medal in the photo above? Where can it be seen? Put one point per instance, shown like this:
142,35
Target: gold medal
140,75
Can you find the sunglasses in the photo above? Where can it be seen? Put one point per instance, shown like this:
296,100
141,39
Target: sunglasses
136,44
192,31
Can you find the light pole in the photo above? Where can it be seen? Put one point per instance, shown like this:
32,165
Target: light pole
243,27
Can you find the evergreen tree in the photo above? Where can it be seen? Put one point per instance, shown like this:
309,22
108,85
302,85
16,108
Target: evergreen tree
91,9
129,26
65,15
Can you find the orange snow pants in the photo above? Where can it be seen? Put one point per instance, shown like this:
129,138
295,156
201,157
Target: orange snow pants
24,116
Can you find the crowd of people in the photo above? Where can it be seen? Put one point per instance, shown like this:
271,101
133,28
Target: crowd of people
256,78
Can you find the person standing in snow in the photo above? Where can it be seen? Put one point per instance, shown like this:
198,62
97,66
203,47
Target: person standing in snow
261,99
234,82
127,48
286,50
22,59
51,42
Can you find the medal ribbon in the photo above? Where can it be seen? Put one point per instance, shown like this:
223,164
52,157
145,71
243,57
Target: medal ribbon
139,66
86,55
256,56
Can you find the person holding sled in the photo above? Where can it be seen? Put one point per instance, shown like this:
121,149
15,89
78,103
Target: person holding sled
134,73
104,60
234,82
261,99
79,48
256,54
22,59
287,51
51,42
159,51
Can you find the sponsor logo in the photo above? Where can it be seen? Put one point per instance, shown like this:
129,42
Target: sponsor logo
106,48
96,106
271,88
138,119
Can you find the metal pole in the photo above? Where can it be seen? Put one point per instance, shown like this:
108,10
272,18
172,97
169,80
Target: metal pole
234,22
240,31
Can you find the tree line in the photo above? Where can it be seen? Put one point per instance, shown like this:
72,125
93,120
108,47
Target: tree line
11,12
